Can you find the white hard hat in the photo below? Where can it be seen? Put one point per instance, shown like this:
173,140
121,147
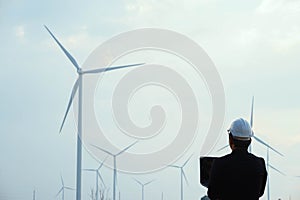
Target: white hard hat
240,129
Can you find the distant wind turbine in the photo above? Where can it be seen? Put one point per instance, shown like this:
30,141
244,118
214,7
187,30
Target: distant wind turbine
78,86
253,136
98,175
115,164
162,196
63,188
143,187
182,175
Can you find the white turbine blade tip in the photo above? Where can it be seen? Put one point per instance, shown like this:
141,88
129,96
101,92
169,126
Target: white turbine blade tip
71,58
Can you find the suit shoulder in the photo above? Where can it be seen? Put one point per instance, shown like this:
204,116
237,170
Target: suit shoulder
222,160
259,159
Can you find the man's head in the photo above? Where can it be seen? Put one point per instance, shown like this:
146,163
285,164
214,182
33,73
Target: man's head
240,134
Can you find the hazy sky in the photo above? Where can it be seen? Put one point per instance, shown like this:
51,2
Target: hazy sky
254,45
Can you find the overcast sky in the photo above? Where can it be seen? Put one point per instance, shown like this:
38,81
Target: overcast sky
254,44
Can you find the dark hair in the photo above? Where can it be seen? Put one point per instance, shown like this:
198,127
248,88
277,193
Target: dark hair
240,143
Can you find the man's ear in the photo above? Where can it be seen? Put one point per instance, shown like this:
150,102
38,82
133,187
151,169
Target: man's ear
231,144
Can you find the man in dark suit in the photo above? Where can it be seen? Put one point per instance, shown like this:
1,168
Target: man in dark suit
239,175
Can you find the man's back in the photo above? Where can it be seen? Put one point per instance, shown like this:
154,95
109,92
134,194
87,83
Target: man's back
237,176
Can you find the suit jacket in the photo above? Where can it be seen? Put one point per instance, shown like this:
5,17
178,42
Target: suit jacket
237,176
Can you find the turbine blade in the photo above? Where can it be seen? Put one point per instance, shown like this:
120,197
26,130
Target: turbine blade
105,151
139,182
277,170
187,160
74,90
125,149
71,58
175,166
99,175
251,115
62,180
102,163
89,170
185,177
94,71
223,148
59,192
69,188
149,182
265,144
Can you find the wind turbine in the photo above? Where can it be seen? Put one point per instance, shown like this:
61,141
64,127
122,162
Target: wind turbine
143,187
62,189
98,175
182,174
255,137
78,87
115,164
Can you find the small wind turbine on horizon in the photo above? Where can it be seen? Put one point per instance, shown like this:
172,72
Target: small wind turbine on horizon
78,87
63,188
143,187
182,175
98,175
115,164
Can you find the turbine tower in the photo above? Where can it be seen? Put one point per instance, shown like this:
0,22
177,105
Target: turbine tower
182,175
268,169
33,194
115,164
63,188
98,175
78,87
143,187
